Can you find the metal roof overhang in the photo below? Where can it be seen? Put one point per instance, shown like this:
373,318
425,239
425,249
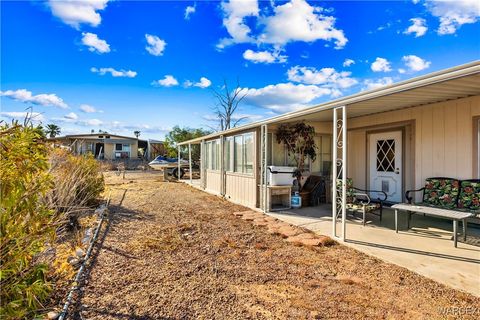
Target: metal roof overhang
458,82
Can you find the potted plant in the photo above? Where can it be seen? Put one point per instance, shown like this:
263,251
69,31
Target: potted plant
298,138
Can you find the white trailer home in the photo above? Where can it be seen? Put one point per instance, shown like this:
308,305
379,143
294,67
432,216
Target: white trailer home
390,139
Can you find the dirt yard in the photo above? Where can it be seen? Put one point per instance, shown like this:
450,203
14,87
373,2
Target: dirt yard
170,251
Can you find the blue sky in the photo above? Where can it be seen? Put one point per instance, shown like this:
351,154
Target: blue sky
123,66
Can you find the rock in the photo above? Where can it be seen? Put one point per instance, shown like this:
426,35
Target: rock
311,242
288,231
260,222
326,241
241,213
248,217
80,253
74,262
52,315
88,236
270,219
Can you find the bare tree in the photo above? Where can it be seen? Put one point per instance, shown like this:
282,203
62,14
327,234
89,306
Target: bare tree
227,105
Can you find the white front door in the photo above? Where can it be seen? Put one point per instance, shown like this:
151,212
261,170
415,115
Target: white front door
386,164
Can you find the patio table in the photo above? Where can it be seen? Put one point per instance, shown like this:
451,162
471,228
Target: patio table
449,214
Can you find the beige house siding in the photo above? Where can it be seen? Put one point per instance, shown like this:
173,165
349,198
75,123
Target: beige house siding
438,140
241,189
213,182
109,151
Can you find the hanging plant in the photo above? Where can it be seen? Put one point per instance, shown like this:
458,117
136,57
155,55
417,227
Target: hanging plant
299,141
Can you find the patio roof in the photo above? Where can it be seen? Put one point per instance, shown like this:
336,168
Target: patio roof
453,83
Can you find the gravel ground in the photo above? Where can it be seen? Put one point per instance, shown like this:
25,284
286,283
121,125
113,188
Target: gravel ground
170,251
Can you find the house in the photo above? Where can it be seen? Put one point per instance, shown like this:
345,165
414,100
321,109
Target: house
104,145
391,139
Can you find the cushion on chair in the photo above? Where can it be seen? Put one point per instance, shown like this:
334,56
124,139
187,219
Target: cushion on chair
359,207
441,192
469,198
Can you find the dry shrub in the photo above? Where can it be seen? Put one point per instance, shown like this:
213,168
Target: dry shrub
78,183
27,224
37,188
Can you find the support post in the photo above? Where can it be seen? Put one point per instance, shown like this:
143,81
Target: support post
265,171
263,167
190,161
261,184
222,166
339,183
179,159
203,163
334,175
344,173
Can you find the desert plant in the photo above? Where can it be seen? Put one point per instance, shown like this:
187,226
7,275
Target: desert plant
299,140
78,183
27,224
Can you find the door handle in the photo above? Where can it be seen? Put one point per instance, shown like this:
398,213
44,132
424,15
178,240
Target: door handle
397,170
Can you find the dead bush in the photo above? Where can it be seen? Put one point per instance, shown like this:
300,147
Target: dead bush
78,183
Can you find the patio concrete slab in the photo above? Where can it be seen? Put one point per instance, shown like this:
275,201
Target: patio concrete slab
427,248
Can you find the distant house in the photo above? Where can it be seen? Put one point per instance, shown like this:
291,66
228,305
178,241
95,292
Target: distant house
107,146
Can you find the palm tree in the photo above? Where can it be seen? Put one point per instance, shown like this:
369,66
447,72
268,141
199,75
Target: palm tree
136,133
52,130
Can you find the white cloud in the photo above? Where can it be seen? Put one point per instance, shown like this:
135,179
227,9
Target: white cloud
454,14
381,65
327,77
71,116
155,46
419,27
76,12
43,99
235,12
264,56
285,97
36,116
114,73
143,128
87,108
95,44
203,83
89,122
298,21
189,10
168,81
292,21
348,62
378,83
415,63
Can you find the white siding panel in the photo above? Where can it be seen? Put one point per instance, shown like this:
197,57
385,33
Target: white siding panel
241,189
213,181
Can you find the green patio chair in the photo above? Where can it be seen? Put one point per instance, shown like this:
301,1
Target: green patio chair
360,200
